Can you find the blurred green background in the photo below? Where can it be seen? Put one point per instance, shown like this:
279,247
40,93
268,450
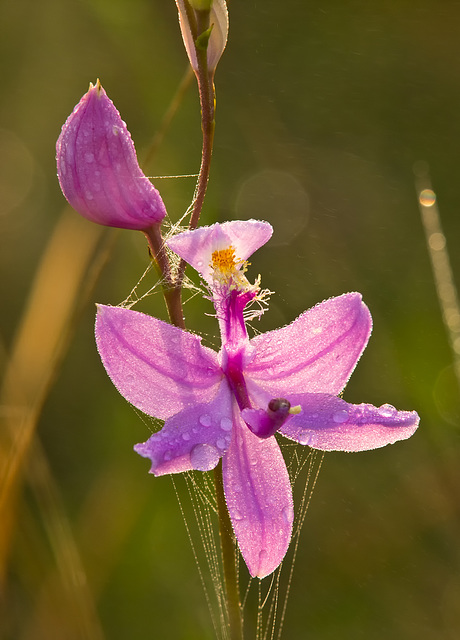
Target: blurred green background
322,110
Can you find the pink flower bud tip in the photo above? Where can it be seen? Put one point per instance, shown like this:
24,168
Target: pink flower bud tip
98,169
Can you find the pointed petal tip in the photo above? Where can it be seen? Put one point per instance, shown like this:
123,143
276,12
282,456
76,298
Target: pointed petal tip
144,450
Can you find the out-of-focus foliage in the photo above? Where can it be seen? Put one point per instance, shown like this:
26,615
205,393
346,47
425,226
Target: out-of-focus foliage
323,109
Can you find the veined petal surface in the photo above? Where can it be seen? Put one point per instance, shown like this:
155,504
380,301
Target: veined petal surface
259,499
329,423
195,438
315,353
159,368
198,245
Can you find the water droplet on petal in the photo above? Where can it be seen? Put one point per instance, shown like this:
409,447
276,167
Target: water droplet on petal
221,443
340,416
262,557
167,456
306,437
288,514
89,157
185,436
204,457
205,420
226,424
387,411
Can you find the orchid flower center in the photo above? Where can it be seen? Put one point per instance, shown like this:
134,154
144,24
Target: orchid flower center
229,270
224,260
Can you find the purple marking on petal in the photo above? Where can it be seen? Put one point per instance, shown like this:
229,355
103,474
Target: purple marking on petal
197,246
159,368
202,446
329,423
318,351
98,169
259,499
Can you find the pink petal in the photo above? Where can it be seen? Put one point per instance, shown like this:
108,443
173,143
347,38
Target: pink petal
98,169
329,423
159,368
315,353
259,499
196,438
197,246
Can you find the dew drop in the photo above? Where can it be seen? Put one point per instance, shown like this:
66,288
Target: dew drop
340,416
288,514
167,456
89,195
204,457
226,424
185,436
306,437
89,157
205,420
221,443
263,555
387,411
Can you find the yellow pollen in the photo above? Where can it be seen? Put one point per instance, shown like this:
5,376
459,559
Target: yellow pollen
224,260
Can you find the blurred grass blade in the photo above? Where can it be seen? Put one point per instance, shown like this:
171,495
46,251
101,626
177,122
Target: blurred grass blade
40,342
440,261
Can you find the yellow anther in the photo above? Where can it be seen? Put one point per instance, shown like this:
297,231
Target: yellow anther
295,410
224,260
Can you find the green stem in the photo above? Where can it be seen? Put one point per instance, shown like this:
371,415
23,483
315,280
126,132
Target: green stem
172,291
227,544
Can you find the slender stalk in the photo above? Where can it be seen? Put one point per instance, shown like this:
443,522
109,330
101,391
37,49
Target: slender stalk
171,287
227,544
199,23
207,104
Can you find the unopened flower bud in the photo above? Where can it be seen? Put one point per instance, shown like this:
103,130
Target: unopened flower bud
213,38
98,169
201,5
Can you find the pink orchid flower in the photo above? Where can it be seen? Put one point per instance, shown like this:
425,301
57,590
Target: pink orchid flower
230,404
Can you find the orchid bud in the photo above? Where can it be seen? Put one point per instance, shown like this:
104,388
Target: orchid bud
98,169
201,5
213,38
